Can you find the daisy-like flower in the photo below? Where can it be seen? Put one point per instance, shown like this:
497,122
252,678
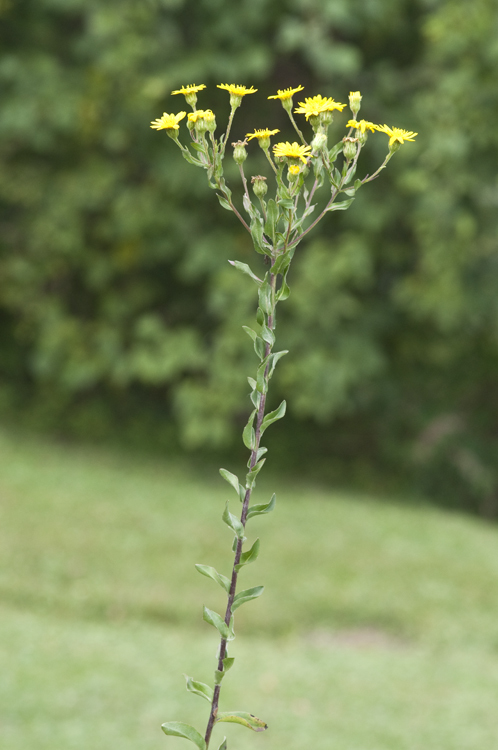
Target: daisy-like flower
261,134
396,135
283,94
294,169
362,125
190,89
232,88
199,114
168,122
202,120
291,150
313,106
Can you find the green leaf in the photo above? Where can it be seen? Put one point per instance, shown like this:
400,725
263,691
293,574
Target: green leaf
357,184
283,292
286,203
260,510
272,215
228,662
261,381
274,359
246,596
335,150
265,296
341,206
178,729
223,745
249,435
273,416
282,262
199,688
209,572
241,717
267,335
191,159
213,618
223,202
231,479
349,191
233,522
245,269
260,316
198,147
253,473
257,236
248,557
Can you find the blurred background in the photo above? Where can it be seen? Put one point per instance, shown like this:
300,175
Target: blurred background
123,381
120,316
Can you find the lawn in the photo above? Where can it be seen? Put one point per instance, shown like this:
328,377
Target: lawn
377,629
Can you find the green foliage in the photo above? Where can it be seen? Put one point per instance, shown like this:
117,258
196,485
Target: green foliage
114,281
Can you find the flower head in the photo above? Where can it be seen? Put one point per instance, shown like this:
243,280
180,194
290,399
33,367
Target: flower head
199,114
362,125
396,135
168,122
261,134
294,169
291,150
236,93
283,94
202,120
190,89
315,105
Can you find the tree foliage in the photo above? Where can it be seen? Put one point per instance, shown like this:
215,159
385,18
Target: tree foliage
116,298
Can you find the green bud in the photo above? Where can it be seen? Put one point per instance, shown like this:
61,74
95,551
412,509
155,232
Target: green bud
259,186
361,137
319,142
355,102
239,152
349,148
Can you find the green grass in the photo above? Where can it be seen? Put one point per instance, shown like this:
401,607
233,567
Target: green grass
377,629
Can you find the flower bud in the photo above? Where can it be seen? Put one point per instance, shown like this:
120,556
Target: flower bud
294,171
326,118
239,152
354,102
361,137
349,148
210,120
319,142
259,186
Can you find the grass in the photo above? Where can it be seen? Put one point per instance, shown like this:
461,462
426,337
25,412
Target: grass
377,629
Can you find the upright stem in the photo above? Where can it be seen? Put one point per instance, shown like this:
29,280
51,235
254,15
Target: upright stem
243,518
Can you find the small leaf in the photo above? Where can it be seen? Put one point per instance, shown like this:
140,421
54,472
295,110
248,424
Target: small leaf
199,688
178,729
218,676
357,184
273,416
233,522
246,596
282,262
260,316
249,435
260,510
265,297
209,572
257,236
349,191
284,291
228,662
213,618
335,150
272,214
261,381
253,473
342,206
223,202
286,203
241,717
198,147
245,269
248,557
274,359
267,335
223,745
230,478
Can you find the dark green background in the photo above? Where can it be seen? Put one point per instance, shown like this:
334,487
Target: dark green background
119,314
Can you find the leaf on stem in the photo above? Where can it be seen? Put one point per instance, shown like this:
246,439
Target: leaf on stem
245,269
265,301
248,557
233,522
223,745
241,717
246,596
273,416
249,435
272,216
228,662
209,572
253,473
260,510
199,688
257,236
216,620
223,202
231,479
341,206
274,359
179,729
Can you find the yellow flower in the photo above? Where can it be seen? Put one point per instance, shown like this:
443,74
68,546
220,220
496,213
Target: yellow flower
362,125
314,105
286,93
261,134
190,89
291,150
168,122
200,114
232,88
396,135
294,169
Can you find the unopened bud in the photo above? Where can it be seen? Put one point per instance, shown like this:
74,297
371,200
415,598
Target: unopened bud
210,120
239,152
349,148
259,186
319,142
354,102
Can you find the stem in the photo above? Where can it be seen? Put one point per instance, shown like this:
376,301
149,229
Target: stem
243,519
